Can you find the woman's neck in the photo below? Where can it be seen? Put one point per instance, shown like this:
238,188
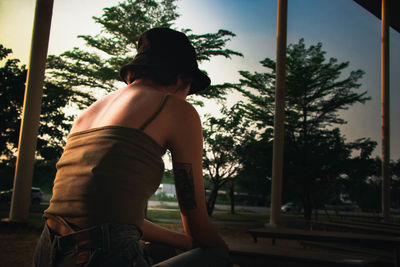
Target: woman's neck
176,89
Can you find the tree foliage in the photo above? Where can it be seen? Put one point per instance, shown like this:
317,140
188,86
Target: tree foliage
254,177
316,90
97,68
223,138
395,196
54,123
12,87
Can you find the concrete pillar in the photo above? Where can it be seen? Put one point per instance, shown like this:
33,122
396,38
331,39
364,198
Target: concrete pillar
277,158
31,112
385,111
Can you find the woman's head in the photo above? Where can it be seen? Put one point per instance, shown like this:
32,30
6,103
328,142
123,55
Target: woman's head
163,56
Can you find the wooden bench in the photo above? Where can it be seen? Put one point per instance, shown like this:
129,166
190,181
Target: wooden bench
383,257
387,242
246,255
357,227
386,225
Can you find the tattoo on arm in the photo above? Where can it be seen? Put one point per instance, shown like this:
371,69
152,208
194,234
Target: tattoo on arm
184,185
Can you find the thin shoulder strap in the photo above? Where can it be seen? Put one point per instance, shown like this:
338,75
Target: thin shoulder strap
152,117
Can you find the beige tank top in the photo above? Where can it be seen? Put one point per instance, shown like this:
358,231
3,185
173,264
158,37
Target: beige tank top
107,175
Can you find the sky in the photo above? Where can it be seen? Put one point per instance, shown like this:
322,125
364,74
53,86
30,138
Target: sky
347,32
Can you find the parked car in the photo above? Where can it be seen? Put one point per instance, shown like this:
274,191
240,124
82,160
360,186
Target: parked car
290,207
36,195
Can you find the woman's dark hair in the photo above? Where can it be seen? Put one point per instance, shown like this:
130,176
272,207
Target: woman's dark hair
157,75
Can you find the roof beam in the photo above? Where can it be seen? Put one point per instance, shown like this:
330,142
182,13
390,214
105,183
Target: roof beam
375,7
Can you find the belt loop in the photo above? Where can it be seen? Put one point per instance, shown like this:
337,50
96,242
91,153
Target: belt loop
105,230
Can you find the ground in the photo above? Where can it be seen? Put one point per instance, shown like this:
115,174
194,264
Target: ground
17,242
17,245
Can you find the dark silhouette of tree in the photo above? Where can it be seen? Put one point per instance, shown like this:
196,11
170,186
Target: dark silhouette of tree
54,123
316,90
395,196
12,87
222,139
358,170
254,177
369,196
97,68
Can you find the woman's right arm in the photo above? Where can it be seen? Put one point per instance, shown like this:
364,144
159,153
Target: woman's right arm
158,234
185,142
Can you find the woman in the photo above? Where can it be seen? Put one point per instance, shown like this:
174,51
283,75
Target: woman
112,164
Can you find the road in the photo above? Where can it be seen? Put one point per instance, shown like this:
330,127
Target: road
169,204
160,204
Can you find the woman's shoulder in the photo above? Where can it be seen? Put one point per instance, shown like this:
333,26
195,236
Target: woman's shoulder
181,109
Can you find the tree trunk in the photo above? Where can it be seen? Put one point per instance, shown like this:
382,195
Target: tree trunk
212,199
307,202
232,197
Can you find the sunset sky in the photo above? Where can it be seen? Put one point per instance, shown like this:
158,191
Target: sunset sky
347,32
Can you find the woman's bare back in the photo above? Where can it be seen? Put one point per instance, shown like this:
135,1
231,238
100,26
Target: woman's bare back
128,107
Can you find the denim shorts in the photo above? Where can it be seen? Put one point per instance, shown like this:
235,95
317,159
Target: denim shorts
121,247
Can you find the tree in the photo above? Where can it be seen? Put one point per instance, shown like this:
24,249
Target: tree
373,186
12,87
54,124
315,93
358,170
98,68
254,177
395,196
222,139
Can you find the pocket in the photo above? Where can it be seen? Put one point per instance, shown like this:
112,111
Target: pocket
100,259
95,259
133,254
139,262
124,254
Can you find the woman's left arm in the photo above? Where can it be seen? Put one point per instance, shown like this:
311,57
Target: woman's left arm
158,234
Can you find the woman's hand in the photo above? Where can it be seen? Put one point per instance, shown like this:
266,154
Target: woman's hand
190,243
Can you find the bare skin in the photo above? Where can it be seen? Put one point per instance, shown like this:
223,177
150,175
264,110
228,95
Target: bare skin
177,128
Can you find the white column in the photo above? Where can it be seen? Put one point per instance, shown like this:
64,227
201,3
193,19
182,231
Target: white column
277,158
31,112
385,111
